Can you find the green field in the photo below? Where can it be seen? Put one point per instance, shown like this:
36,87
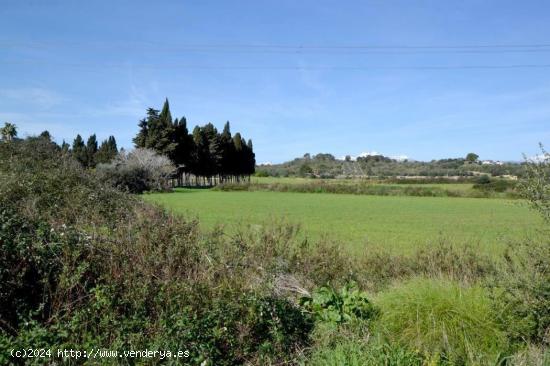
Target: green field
397,223
298,180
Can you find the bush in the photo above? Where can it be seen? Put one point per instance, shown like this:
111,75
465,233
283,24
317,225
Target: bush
83,266
497,185
138,171
441,319
522,292
261,173
347,305
535,186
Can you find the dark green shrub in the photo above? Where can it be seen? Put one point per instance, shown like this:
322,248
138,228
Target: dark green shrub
483,179
522,293
29,267
497,185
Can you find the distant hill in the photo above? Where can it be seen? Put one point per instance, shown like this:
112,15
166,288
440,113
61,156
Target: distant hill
327,166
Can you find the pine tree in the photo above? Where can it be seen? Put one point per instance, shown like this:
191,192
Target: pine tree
141,138
156,131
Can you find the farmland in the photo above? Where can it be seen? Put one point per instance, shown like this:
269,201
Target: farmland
400,224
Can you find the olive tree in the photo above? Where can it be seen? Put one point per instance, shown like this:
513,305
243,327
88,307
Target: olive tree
535,186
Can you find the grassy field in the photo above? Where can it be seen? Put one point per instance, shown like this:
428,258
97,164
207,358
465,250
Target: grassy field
298,180
397,223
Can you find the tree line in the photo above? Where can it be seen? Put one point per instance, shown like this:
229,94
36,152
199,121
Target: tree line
204,156
89,154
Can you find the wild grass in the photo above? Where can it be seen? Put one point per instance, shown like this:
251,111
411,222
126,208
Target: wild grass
440,318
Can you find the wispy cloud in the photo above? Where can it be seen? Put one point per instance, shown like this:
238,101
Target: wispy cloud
35,97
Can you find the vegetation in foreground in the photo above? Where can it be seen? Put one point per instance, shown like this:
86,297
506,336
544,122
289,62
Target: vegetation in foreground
83,265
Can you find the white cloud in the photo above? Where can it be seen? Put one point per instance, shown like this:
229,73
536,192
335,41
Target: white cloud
37,97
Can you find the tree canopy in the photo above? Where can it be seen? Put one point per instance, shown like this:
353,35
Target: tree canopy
8,132
205,152
89,154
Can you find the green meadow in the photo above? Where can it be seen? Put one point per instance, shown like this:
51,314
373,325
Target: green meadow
398,223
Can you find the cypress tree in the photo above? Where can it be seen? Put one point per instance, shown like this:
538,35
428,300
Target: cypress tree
215,152
107,151
65,147
238,156
201,153
228,151
46,135
79,150
91,150
165,116
251,158
184,143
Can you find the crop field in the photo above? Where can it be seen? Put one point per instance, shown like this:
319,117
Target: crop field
399,224
298,180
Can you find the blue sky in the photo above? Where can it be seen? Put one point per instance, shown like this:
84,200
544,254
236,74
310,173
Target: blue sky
95,66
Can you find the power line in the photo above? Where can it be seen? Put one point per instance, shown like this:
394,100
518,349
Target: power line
276,67
247,47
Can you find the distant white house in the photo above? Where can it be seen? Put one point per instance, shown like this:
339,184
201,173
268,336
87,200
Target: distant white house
491,162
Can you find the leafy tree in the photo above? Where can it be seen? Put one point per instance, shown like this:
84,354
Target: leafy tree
305,170
8,132
472,157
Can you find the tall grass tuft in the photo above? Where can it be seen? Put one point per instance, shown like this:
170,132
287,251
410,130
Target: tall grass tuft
440,318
